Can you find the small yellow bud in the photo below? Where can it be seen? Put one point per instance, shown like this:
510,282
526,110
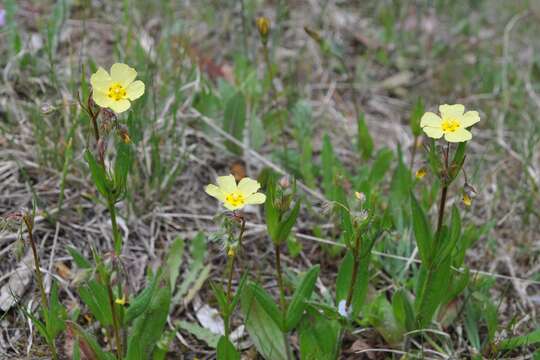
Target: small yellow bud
420,173
231,252
360,196
467,200
122,301
263,25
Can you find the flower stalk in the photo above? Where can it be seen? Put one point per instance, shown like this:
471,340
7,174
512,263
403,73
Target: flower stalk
29,222
231,258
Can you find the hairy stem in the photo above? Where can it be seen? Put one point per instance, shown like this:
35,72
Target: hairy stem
282,299
230,268
356,256
116,232
116,324
39,275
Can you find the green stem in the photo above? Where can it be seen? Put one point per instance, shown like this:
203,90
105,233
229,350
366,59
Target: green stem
413,153
266,55
230,267
116,233
282,299
116,324
356,256
39,275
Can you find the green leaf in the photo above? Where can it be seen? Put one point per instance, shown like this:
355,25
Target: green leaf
234,121
319,336
221,297
95,296
210,338
124,158
433,286
403,310
328,166
458,160
422,231
343,280
294,246
381,317
416,116
174,260
90,343
380,166
79,259
364,140
226,350
141,302
262,329
268,304
301,295
523,340
270,209
99,177
56,315
451,238
148,328
286,226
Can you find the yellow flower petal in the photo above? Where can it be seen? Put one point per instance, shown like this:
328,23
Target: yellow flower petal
257,198
135,90
227,184
469,118
120,105
100,80
451,111
123,74
430,119
101,99
214,191
248,186
459,135
433,132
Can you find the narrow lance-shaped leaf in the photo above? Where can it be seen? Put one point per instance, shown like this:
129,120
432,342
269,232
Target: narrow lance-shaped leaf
301,295
422,231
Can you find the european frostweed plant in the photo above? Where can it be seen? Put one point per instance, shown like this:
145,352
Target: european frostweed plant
452,123
117,89
235,196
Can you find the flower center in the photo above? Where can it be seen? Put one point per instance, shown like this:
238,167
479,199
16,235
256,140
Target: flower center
117,92
235,199
450,125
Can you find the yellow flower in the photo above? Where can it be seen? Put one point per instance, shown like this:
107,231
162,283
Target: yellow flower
420,173
452,123
235,196
115,91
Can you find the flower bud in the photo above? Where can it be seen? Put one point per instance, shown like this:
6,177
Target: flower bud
124,134
263,25
420,173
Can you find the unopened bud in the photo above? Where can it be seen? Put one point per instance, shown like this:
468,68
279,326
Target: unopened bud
284,182
124,134
46,109
263,25
360,196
